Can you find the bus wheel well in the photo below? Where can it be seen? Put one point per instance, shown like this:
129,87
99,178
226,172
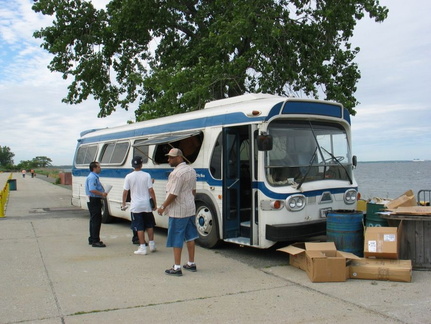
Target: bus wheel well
106,216
206,222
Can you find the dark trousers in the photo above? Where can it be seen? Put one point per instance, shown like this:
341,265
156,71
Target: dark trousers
135,239
95,208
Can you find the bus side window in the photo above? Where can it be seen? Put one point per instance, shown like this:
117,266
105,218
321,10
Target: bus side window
191,147
215,162
114,153
160,153
86,154
141,150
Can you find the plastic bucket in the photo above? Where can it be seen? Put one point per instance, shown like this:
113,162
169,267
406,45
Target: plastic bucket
346,229
12,184
373,219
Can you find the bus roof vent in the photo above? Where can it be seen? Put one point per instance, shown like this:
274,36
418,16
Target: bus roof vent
238,99
89,131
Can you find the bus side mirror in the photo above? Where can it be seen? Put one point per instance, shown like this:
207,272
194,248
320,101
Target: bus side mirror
264,142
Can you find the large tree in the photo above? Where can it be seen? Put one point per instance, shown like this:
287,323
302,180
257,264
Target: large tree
174,56
6,156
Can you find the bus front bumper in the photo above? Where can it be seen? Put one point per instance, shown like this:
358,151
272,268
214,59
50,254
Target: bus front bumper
296,231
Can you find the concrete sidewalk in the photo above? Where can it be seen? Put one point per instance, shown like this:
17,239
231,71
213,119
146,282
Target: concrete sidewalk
49,274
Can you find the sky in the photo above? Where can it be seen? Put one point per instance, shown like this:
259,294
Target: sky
392,120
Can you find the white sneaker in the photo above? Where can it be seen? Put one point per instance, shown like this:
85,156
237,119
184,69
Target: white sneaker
152,246
141,250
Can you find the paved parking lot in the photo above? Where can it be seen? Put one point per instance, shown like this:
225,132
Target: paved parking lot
49,274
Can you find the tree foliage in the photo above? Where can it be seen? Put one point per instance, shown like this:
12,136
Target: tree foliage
25,165
6,156
37,162
6,160
41,162
174,56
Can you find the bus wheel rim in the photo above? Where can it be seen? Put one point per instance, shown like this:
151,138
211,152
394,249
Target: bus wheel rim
204,221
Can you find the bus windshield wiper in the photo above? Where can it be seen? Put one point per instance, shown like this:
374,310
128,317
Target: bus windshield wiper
339,163
308,169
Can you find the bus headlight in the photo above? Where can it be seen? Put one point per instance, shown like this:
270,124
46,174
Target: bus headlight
295,202
350,196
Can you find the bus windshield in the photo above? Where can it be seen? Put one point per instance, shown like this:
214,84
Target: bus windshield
305,151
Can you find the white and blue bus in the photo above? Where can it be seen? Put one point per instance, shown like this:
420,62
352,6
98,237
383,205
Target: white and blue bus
269,168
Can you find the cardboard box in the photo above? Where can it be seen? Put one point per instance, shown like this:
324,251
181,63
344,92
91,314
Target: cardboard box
321,261
407,199
413,210
296,253
381,269
329,266
381,242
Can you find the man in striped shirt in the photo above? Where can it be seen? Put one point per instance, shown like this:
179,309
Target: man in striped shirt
179,205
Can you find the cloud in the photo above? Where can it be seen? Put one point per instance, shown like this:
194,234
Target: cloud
392,119
34,120
38,124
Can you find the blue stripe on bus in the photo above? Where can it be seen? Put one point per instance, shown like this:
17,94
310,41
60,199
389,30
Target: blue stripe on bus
346,116
312,193
203,175
310,108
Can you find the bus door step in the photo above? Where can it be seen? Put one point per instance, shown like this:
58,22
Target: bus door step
239,240
245,229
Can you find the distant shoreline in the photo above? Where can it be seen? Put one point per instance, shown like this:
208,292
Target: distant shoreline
394,161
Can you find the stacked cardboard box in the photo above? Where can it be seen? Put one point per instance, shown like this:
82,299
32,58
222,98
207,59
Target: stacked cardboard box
381,242
323,263
381,269
381,250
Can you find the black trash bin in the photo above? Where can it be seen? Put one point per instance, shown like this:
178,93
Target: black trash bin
12,184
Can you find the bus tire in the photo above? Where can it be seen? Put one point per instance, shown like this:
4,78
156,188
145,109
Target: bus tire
206,223
106,217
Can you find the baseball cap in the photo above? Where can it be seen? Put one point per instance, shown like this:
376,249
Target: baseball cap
137,160
175,152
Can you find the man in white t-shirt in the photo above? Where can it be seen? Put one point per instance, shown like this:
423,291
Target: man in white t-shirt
140,185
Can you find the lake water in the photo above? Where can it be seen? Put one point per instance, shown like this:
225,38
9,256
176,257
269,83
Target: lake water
392,179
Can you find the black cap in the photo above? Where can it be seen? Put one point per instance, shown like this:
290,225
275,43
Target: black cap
137,161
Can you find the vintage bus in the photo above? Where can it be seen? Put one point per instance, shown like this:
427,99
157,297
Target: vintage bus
269,168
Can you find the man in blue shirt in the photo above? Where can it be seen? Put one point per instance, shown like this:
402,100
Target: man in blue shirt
95,192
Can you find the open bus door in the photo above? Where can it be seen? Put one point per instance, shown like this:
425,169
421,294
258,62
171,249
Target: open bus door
238,216
231,183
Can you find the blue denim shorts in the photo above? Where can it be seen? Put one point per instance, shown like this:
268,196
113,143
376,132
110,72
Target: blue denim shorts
142,221
181,230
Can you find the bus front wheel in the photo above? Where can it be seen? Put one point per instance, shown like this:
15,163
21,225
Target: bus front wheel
106,217
206,223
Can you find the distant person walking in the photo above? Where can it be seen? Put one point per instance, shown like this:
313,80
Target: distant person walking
140,186
23,173
95,193
180,207
32,173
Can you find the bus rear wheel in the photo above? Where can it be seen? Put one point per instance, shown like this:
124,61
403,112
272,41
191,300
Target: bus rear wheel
206,223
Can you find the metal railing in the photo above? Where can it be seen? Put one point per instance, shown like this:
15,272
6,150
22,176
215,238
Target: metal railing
424,197
4,196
